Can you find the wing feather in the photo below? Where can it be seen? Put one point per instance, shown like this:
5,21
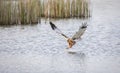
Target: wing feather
57,30
80,32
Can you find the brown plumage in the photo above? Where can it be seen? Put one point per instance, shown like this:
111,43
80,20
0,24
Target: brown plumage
77,35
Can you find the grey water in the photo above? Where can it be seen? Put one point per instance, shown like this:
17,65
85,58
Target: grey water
38,49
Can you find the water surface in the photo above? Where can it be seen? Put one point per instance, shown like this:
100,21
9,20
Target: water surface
38,49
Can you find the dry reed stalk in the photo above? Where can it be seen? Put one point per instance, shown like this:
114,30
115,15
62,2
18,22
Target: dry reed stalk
30,11
67,8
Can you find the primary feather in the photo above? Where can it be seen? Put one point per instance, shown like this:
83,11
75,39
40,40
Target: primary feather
57,30
53,26
80,32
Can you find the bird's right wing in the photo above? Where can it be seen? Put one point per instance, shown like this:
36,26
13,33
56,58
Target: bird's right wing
57,30
80,32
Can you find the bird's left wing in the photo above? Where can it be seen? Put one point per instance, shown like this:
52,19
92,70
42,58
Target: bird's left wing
57,30
80,32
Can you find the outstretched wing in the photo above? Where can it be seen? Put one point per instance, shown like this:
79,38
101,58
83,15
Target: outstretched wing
57,30
80,32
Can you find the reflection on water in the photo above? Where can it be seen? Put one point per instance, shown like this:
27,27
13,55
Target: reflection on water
72,63
38,49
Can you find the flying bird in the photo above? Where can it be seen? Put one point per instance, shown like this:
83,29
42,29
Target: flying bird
76,36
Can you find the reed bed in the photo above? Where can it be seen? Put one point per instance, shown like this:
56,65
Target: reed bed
31,11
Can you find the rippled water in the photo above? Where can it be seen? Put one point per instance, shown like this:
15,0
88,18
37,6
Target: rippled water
38,49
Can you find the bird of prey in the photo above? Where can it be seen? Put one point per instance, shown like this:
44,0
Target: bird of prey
76,36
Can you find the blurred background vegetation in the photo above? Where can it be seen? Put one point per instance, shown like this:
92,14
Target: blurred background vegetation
31,11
